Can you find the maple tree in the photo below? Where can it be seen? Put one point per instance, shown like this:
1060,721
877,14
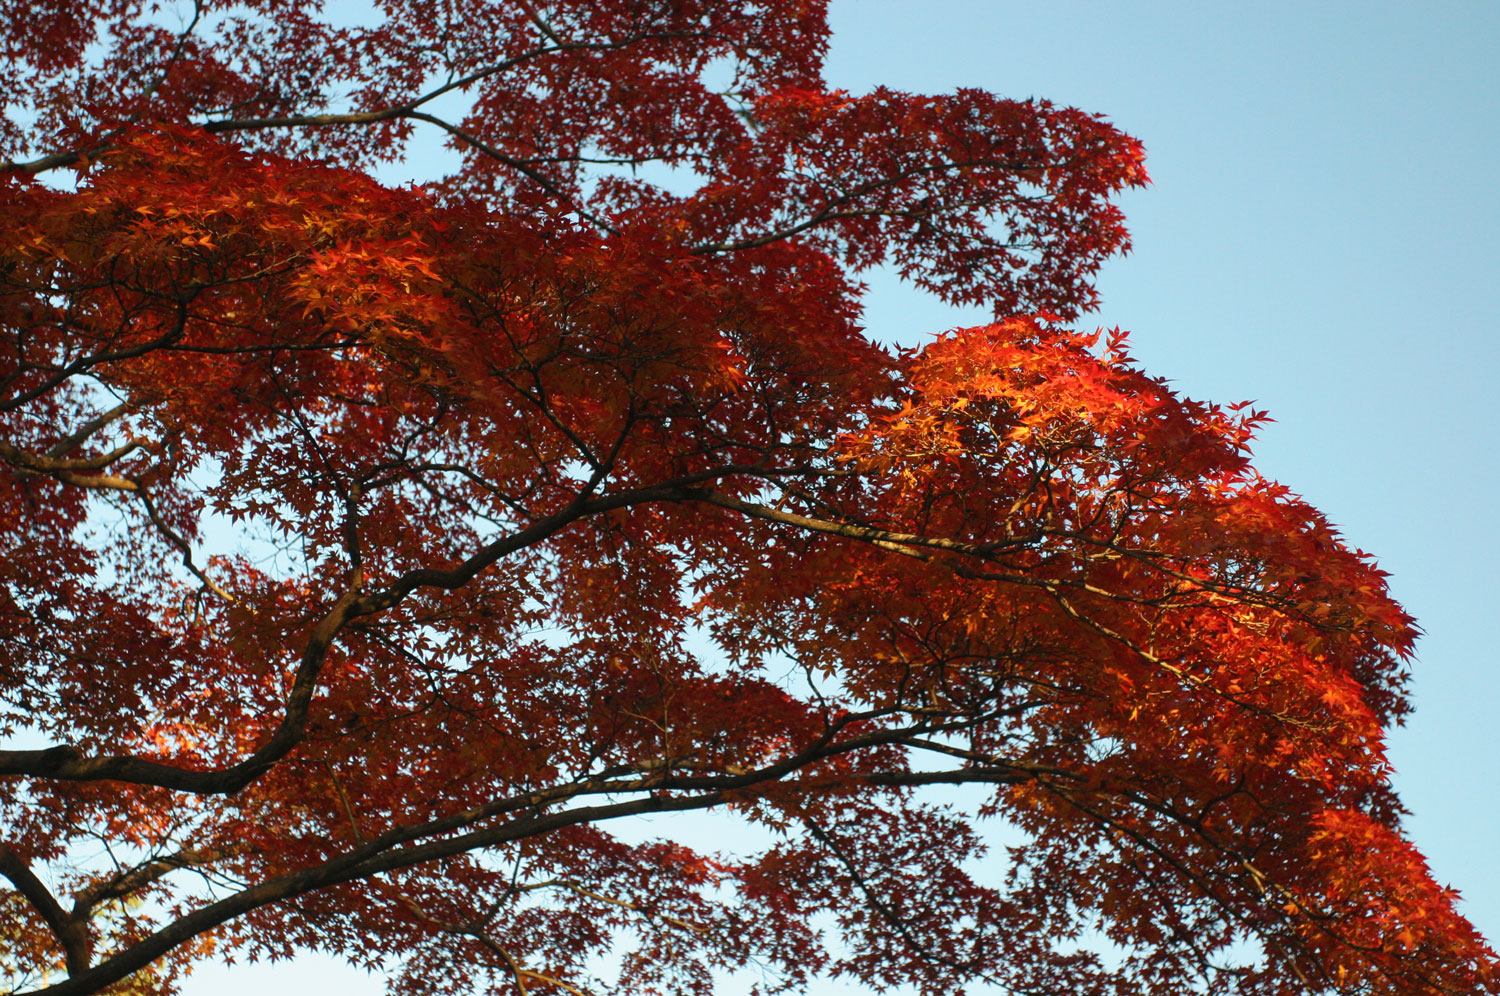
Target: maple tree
373,553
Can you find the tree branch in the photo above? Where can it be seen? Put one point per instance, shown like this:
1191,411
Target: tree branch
71,933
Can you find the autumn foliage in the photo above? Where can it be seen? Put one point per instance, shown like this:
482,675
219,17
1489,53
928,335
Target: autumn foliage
373,553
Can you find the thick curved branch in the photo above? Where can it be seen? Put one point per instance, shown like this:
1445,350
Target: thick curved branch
70,764
72,471
344,869
408,847
71,933
67,763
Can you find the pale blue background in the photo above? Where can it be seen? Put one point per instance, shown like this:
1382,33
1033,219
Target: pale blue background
1321,237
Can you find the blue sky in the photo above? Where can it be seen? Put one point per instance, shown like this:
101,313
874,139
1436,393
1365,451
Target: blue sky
1322,236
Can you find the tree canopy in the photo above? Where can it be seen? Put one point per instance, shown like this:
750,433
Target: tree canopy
373,553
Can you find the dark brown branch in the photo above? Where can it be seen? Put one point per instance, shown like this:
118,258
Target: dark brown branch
347,869
180,542
127,882
71,933
168,338
658,791
67,763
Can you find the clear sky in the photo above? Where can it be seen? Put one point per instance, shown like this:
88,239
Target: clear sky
1322,236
